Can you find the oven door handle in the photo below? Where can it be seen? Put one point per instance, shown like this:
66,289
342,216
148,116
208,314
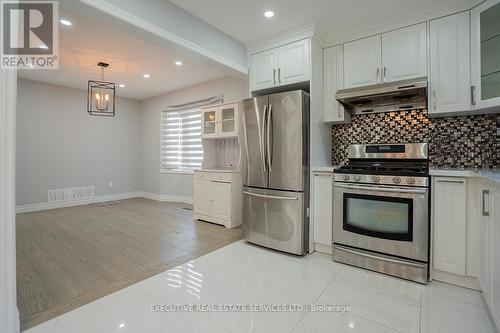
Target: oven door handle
381,258
382,189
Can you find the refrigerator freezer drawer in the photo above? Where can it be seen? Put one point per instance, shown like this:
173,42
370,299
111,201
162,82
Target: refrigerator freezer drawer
275,219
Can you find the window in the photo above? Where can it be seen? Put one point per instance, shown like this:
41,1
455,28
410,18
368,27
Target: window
181,147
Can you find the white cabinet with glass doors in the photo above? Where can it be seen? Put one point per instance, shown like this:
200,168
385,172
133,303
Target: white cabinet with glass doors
220,121
485,55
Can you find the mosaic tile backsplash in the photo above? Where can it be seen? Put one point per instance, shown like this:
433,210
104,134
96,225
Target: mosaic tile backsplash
464,141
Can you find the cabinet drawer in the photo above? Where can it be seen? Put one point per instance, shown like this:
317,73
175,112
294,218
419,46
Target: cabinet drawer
201,176
221,177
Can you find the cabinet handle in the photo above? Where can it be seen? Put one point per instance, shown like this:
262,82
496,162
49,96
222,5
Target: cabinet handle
323,174
450,181
274,76
385,70
473,95
220,182
434,99
486,206
279,76
378,72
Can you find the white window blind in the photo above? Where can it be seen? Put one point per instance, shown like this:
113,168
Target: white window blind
181,147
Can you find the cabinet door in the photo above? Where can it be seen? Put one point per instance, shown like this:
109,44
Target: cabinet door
449,64
201,197
228,118
263,70
333,78
484,241
209,123
404,53
294,63
322,207
485,53
220,194
450,224
362,61
493,208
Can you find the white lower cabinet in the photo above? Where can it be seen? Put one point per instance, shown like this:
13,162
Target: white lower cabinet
449,224
217,197
322,188
466,235
494,214
489,249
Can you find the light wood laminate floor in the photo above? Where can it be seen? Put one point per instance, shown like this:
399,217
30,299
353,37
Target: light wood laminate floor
71,256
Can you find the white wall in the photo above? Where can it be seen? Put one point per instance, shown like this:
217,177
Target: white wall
168,183
60,145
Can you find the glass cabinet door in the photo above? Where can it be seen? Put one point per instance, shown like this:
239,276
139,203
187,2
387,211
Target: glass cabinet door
209,123
228,118
486,54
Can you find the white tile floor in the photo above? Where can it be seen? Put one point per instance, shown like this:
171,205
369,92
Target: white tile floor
246,274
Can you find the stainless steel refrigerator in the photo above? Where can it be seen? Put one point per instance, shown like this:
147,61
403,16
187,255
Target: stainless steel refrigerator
276,186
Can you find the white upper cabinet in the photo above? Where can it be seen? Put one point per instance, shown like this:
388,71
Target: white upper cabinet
283,65
404,53
449,76
263,69
362,61
333,80
485,53
293,64
393,56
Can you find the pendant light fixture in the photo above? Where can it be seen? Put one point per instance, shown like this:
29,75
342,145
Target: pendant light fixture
101,96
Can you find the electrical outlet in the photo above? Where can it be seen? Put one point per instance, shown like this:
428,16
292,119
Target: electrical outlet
111,184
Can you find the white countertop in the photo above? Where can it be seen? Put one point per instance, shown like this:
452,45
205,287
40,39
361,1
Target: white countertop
329,168
219,170
490,174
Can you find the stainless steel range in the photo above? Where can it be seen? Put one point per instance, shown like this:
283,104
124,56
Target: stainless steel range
381,210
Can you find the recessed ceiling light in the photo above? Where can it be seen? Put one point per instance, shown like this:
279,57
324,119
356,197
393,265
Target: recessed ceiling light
65,22
121,85
147,76
268,13
178,63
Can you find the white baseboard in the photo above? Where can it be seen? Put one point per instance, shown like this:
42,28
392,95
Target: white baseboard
102,198
166,197
71,203
457,280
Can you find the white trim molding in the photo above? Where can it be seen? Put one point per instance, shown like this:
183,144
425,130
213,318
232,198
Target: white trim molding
102,198
167,197
71,203
379,26
9,315
282,38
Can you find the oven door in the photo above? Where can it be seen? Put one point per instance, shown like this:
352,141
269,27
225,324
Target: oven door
387,219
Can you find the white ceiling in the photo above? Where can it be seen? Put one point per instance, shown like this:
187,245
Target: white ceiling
89,41
244,20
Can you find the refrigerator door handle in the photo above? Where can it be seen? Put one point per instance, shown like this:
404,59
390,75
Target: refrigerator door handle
269,139
263,141
270,196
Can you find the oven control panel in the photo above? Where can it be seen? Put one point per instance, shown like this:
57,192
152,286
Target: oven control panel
382,179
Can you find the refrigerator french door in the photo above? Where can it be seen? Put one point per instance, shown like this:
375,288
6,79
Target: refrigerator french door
276,188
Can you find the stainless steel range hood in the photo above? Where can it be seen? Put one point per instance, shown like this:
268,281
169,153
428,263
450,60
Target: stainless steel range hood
385,97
